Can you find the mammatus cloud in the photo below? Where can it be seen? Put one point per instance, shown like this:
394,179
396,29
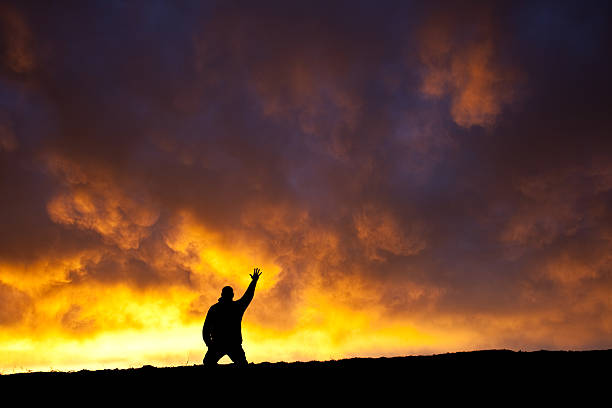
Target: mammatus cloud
408,180
95,203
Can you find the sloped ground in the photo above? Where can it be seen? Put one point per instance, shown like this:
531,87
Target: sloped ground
492,378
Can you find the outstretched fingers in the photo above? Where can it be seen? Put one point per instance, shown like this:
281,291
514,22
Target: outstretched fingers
256,274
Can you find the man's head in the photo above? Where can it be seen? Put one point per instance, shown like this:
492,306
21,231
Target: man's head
227,293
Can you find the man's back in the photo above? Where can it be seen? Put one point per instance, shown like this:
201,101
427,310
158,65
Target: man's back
224,320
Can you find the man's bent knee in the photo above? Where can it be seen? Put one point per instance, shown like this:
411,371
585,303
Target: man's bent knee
211,358
238,357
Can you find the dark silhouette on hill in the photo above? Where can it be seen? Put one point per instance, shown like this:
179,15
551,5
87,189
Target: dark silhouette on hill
222,330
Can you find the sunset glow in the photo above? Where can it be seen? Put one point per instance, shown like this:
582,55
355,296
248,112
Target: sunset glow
410,178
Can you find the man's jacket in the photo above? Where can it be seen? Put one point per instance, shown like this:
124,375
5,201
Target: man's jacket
222,326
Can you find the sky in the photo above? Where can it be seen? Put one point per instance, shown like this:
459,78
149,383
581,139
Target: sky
411,178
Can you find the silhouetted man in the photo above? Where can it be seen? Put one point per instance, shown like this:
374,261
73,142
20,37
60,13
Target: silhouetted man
222,331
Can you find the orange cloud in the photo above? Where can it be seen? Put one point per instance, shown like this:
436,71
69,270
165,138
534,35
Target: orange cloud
140,177
466,71
95,203
379,231
15,304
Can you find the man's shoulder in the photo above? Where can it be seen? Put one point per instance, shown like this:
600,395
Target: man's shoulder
222,306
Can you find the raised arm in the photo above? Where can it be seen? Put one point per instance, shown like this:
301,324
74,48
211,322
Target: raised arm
245,300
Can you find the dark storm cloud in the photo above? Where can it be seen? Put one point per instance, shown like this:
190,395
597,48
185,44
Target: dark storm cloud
461,148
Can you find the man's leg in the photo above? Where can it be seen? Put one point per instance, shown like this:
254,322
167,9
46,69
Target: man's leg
212,357
237,355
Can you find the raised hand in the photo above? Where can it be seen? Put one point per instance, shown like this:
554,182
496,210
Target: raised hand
256,274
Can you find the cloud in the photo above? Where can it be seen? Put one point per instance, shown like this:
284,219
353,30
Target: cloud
8,141
96,204
15,305
462,64
409,179
379,231
17,40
